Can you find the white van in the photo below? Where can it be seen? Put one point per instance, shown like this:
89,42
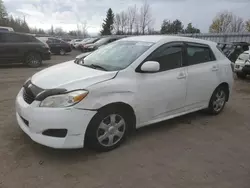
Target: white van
6,29
130,83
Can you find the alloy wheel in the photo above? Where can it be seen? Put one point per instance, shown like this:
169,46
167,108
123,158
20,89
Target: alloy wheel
111,130
220,99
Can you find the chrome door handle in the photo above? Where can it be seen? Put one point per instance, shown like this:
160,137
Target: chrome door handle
181,76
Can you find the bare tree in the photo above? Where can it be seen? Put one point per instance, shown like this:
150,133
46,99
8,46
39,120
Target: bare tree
247,26
117,24
124,22
145,17
221,23
227,22
132,12
84,29
237,24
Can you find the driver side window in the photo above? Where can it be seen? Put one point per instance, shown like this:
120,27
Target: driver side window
168,56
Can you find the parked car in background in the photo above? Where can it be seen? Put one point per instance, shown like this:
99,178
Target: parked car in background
234,49
56,46
103,41
87,41
242,65
66,40
77,43
72,42
128,84
8,29
22,48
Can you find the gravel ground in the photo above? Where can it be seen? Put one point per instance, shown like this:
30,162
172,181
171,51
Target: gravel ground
193,151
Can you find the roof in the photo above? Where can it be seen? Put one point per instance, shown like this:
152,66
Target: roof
166,38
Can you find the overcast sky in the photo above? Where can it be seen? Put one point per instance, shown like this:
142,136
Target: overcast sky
67,13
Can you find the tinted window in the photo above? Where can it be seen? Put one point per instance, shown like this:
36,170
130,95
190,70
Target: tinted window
169,57
3,29
16,38
199,54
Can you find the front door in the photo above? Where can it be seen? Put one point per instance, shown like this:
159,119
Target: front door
162,94
202,78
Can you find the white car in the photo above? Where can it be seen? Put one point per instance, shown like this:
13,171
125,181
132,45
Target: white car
9,29
242,65
98,100
74,41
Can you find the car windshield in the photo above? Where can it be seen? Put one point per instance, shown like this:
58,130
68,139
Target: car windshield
117,55
244,56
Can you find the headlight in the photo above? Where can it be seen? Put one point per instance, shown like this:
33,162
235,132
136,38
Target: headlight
247,62
64,100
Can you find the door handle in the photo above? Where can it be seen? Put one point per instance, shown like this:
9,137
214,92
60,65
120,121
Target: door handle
181,76
215,68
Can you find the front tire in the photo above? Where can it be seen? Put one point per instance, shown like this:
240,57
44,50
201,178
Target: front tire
33,60
218,100
108,129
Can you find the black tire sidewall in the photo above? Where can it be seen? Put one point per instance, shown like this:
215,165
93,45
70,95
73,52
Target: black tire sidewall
91,139
210,108
35,55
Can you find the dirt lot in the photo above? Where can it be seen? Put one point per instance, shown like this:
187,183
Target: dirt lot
194,151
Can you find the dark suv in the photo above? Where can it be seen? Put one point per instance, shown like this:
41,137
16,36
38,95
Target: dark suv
22,48
56,46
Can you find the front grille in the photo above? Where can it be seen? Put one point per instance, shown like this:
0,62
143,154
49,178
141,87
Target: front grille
28,96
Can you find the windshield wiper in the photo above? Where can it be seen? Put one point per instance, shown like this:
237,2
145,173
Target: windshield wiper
97,67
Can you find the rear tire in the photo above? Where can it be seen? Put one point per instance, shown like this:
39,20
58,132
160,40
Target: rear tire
241,75
218,100
109,123
33,60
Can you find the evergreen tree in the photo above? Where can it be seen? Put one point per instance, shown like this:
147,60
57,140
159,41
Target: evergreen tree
191,29
3,14
108,23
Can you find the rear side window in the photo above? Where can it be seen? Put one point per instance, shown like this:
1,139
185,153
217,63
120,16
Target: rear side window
199,54
16,38
169,57
3,29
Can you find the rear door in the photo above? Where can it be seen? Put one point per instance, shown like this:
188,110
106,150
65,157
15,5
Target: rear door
10,46
202,71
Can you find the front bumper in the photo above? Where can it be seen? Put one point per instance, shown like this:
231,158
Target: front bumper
46,56
34,120
238,67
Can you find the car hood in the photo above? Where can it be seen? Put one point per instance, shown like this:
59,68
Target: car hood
83,55
70,76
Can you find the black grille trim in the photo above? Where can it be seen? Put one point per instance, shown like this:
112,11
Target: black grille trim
30,91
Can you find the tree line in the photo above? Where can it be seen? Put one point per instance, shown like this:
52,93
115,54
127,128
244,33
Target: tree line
133,21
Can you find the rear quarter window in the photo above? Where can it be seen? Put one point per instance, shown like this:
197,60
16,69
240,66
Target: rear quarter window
197,54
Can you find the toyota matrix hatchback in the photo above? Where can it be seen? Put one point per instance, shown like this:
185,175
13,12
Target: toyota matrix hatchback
98,100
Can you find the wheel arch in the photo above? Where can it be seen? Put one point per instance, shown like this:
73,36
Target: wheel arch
117,105
31,51
226,86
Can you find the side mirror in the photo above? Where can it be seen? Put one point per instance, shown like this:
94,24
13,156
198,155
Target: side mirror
150,66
